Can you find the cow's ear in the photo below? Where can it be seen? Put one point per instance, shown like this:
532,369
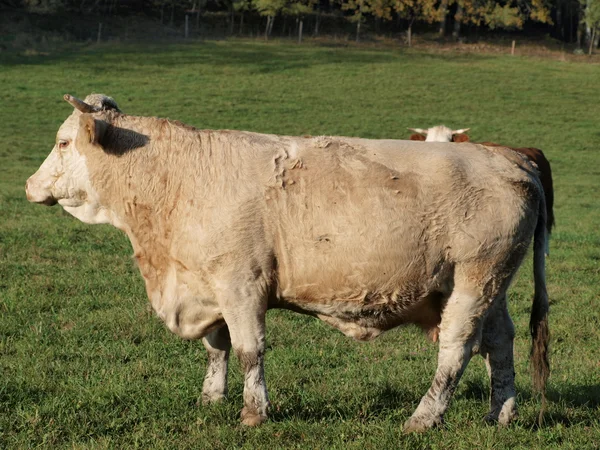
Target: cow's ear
91,130
460,138
417,137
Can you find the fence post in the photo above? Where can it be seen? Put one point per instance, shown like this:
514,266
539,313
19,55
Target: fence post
512,50
187,27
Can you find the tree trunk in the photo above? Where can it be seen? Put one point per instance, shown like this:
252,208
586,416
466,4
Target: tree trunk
409,33
162,14
241,23
271,25
592,38
580,33
570,19
267,28
560,23
357,31
457,19
444,14
231,20
317,21
172,20
300,32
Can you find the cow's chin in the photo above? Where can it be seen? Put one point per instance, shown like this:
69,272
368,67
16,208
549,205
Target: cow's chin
88,212
70,202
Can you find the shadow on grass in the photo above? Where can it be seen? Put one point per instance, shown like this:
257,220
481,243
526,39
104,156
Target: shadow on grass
266,57
568,406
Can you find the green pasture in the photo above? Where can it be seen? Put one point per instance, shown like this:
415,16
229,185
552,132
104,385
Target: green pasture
85,364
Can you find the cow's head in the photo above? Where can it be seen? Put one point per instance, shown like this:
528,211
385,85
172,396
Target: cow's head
439,133
64,177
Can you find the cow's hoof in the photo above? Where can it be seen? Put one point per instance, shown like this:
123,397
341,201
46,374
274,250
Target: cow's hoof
503,420
502,416
420,425
252,418
491,418
213,397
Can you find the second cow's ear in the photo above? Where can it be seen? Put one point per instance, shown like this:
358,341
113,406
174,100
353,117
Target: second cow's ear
91,130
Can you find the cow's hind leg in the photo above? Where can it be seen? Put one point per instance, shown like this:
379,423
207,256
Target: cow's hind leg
217,345
459,333
497,349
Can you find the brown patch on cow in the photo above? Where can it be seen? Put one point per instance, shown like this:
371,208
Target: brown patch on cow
461,137
417,137
536,156
248,360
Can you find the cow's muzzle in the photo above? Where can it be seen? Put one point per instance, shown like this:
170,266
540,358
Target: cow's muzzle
39,195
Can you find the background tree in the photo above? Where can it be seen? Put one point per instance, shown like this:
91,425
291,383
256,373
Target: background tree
269,9
298,9
359,9
242,7
591,20
417,10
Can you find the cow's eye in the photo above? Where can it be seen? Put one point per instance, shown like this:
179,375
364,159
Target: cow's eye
63,144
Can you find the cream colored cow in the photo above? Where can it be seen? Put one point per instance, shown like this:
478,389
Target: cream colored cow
363,234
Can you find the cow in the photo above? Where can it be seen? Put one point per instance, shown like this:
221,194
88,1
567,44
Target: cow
441,133
363,234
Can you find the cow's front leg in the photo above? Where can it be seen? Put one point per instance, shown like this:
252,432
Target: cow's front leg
459,329
217,345
245,314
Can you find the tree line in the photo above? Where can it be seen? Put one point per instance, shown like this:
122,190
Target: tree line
568,20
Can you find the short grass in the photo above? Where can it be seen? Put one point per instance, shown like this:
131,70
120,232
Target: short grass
84,363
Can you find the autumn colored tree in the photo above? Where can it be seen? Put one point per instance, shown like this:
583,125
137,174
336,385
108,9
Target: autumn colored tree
508,14
417,10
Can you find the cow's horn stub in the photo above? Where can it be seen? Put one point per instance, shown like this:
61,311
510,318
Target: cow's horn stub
79,104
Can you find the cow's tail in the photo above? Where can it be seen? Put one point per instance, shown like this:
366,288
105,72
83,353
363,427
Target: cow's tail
538,324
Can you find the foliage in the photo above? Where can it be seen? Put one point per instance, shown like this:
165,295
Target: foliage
503,14
84,364
425,10
591,10
485,13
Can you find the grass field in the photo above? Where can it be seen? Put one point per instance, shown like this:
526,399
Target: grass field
85,364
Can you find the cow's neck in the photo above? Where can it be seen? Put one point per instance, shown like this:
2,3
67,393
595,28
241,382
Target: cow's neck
150,188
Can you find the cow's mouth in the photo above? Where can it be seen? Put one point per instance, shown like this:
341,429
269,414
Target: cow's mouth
49,201
41,197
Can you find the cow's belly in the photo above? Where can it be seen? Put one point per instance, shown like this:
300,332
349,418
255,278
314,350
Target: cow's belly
179,302
365,315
